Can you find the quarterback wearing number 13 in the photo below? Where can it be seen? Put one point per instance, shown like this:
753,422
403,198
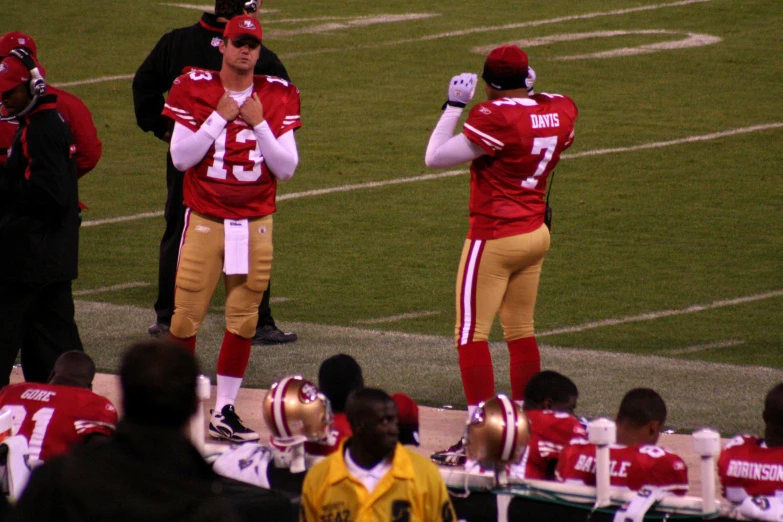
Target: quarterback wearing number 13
234,138
513,142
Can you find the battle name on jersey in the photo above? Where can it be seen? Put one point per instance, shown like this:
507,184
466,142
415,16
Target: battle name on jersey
755,471
586,463
38,395
544,121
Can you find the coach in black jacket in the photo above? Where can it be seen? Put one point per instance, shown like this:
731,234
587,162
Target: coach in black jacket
192,46
39,231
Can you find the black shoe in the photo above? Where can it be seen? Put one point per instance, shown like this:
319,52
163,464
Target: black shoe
454,456
271,334
158,330
226,425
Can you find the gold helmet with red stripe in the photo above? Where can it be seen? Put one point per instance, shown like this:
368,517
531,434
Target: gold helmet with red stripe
497,433
293,407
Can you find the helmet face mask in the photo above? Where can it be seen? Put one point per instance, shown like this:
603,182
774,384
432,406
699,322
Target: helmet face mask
295,408
497,433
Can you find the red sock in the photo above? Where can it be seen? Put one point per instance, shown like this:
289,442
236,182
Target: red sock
188,342
234,355
525,362
475,366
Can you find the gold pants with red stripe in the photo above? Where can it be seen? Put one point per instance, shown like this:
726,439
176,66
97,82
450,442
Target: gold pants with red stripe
499,277
200,266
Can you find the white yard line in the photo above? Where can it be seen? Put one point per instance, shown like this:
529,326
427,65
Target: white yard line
451,173
395,318
702,347
658,315
475,30
95,80
112,288
210,8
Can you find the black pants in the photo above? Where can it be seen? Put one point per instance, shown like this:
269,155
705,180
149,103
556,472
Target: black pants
39,321
169,252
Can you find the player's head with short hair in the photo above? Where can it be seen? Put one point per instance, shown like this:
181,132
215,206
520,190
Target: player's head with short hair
159,384
505,68
228,9
549,390
73,368
338,376
773,412
641,416
372,414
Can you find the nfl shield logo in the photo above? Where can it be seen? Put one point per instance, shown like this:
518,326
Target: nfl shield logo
215,42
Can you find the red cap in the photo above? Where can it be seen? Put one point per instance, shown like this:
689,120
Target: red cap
16,39
408,418
242,26
12,73
506,68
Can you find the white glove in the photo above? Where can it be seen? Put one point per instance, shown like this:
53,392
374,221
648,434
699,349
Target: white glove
461,89
530,81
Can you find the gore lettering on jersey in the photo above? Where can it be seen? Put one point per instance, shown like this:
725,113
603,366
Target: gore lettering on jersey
755,471
544,121
38,395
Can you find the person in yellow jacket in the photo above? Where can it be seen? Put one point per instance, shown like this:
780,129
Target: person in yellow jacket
372,477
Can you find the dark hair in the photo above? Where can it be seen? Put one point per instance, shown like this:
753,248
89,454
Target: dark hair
773,407
641,406
159,384
551,385
73,368
361,401
338,376
229,8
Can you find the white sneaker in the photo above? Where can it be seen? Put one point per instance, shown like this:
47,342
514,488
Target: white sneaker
226,425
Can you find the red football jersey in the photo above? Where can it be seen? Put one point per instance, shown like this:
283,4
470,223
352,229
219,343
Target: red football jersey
232,181
341,429
630,467
550,432
54,418
523,139
747,467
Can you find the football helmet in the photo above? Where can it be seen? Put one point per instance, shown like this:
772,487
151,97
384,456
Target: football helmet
497,433
295,408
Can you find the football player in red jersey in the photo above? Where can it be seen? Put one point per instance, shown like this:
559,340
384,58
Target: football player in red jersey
58,415
636,460
550,401
76,114
751,466
234,138
513,142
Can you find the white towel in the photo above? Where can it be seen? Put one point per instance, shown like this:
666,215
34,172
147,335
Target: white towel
237,243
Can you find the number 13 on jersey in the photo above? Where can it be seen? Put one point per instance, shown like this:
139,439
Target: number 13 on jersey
218,171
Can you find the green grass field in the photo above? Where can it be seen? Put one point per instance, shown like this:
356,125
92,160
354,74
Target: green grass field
667,241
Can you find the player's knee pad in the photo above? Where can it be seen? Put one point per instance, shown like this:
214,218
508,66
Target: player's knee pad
191,273
260,269
183,326
243,325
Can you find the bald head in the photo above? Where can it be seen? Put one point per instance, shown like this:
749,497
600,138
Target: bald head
73,369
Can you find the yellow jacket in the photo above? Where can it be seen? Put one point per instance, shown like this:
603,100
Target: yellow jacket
412,491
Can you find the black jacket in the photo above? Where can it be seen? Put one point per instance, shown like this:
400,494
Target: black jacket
193,46
144,473
39,213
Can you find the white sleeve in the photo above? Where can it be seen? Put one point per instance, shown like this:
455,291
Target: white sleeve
188,148
280,154
446,150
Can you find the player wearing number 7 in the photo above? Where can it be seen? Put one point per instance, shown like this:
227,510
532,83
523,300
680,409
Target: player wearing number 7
234,138
513,142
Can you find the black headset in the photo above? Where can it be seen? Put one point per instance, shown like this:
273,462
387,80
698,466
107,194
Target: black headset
37,85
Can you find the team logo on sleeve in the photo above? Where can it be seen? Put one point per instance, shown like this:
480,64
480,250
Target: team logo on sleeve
484,110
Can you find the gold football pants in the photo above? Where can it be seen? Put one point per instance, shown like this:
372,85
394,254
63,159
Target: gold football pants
499,276
199,268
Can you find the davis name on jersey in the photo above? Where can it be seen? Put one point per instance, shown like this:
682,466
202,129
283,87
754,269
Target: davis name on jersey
748,467
232,181
523,139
